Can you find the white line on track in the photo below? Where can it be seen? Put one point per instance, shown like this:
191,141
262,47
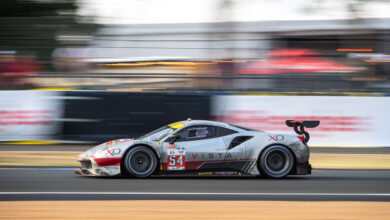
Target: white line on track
195,193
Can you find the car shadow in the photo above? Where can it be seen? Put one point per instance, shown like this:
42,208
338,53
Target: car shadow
170,177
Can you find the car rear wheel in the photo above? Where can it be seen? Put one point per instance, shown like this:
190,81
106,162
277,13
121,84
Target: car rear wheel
276,161
140,162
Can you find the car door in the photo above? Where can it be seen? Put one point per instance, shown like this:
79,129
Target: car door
197,148
235,153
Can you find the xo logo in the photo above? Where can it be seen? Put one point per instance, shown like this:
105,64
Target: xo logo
276,138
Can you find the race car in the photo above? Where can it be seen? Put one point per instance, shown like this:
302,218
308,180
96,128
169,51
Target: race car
200,147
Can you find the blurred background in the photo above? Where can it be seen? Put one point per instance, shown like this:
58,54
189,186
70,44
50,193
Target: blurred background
120,68
212,45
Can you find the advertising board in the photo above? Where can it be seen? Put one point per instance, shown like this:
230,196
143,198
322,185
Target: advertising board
346,121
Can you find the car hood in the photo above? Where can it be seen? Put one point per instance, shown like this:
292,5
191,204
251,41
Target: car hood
107,149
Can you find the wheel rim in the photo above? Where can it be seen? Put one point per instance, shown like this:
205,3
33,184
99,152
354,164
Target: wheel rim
140,162
277,161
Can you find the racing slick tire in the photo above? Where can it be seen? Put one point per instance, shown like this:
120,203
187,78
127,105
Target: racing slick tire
275,161
140,162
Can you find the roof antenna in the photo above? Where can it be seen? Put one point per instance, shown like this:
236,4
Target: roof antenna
188,119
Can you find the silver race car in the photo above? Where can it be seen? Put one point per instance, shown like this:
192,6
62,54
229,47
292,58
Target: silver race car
199,147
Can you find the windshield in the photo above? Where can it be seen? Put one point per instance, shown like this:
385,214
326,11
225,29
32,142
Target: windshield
158,134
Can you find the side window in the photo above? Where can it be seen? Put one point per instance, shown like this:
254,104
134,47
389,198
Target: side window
198,132
225,131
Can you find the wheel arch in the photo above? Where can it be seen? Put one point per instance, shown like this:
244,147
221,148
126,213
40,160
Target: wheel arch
273,144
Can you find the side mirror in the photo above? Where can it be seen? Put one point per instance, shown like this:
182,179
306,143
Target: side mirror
173,138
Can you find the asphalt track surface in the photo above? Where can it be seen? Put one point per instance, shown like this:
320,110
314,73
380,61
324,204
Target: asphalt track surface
322,185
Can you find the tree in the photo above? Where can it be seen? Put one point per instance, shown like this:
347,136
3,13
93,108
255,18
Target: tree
29,26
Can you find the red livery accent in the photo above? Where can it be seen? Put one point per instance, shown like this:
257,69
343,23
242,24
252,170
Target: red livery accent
114,161
296,121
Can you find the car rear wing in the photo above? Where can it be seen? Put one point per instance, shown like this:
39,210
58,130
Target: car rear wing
300,125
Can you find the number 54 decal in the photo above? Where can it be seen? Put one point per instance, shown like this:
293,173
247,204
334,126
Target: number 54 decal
176,160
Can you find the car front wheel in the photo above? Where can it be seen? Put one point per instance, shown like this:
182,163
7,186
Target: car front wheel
140,162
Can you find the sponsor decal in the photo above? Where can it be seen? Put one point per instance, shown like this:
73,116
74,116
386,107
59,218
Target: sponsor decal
176,158
110,143
276,138
116,151
113,152
209,155
176,125
205,173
